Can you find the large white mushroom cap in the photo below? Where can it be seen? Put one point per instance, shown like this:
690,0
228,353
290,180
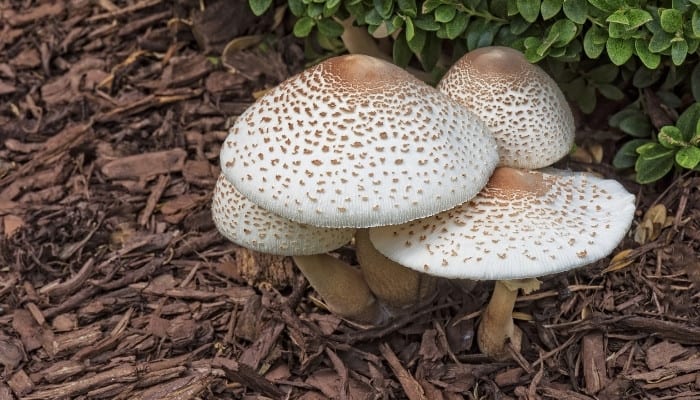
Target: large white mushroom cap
525,109
524,224
356,142
246,224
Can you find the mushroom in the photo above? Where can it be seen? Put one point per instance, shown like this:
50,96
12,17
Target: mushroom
525,109
524,224
342,287
355,142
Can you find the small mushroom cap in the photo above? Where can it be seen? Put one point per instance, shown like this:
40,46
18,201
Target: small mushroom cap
246,224
525,109
524,224
356,142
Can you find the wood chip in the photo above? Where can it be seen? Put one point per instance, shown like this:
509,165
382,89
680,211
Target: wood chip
145,165
661,354
593,360
669,371
412,389
20,383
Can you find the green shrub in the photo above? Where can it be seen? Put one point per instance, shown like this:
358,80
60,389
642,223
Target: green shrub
610,48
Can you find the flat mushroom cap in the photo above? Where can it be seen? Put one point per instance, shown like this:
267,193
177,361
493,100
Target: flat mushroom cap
246,224
525,109
357,142
524,224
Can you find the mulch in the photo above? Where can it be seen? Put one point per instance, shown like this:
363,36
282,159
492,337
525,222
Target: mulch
114,283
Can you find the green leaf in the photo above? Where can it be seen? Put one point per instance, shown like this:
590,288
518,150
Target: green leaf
373,18
408,7
619,17
688,121
474,31
688,157
681,5
627,155
518,25
331,8
594,41
431,51
532,47
670,99
565,30
458,24
679,50
329,28
605,73
445,13
636,125
529,9
410,30
258,7
426,24
654,151
660,41
576,10
558,35
314,10
619,50
401,53
651,170
695,140
638,17
649,59
695,22
695,82
384,8
611,92
550,8
609,6
297,7
671,20
617,30
303,26
627,112
586,99
645,77
671,137
430,5
417,42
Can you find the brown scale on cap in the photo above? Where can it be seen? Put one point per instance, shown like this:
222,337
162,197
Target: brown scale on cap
250,226
527,112
523,224
357,142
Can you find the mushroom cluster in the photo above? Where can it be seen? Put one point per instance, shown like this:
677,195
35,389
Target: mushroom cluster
351,143
525,223
430,182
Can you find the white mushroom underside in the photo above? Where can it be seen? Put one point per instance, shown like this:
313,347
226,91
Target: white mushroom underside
246,224
356,142
526,111
575,219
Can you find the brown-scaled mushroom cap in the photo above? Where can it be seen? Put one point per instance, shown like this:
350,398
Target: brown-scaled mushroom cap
246,224
523,224
356,142
525,109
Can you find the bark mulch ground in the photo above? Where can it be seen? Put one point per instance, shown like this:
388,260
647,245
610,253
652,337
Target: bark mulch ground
115,284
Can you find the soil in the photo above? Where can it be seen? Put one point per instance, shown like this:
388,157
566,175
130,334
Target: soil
114,283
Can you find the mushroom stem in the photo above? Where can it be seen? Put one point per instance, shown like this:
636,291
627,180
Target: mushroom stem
341,287
497,325
395,285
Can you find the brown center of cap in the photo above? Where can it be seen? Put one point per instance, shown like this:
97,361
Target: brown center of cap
361,69
497,60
